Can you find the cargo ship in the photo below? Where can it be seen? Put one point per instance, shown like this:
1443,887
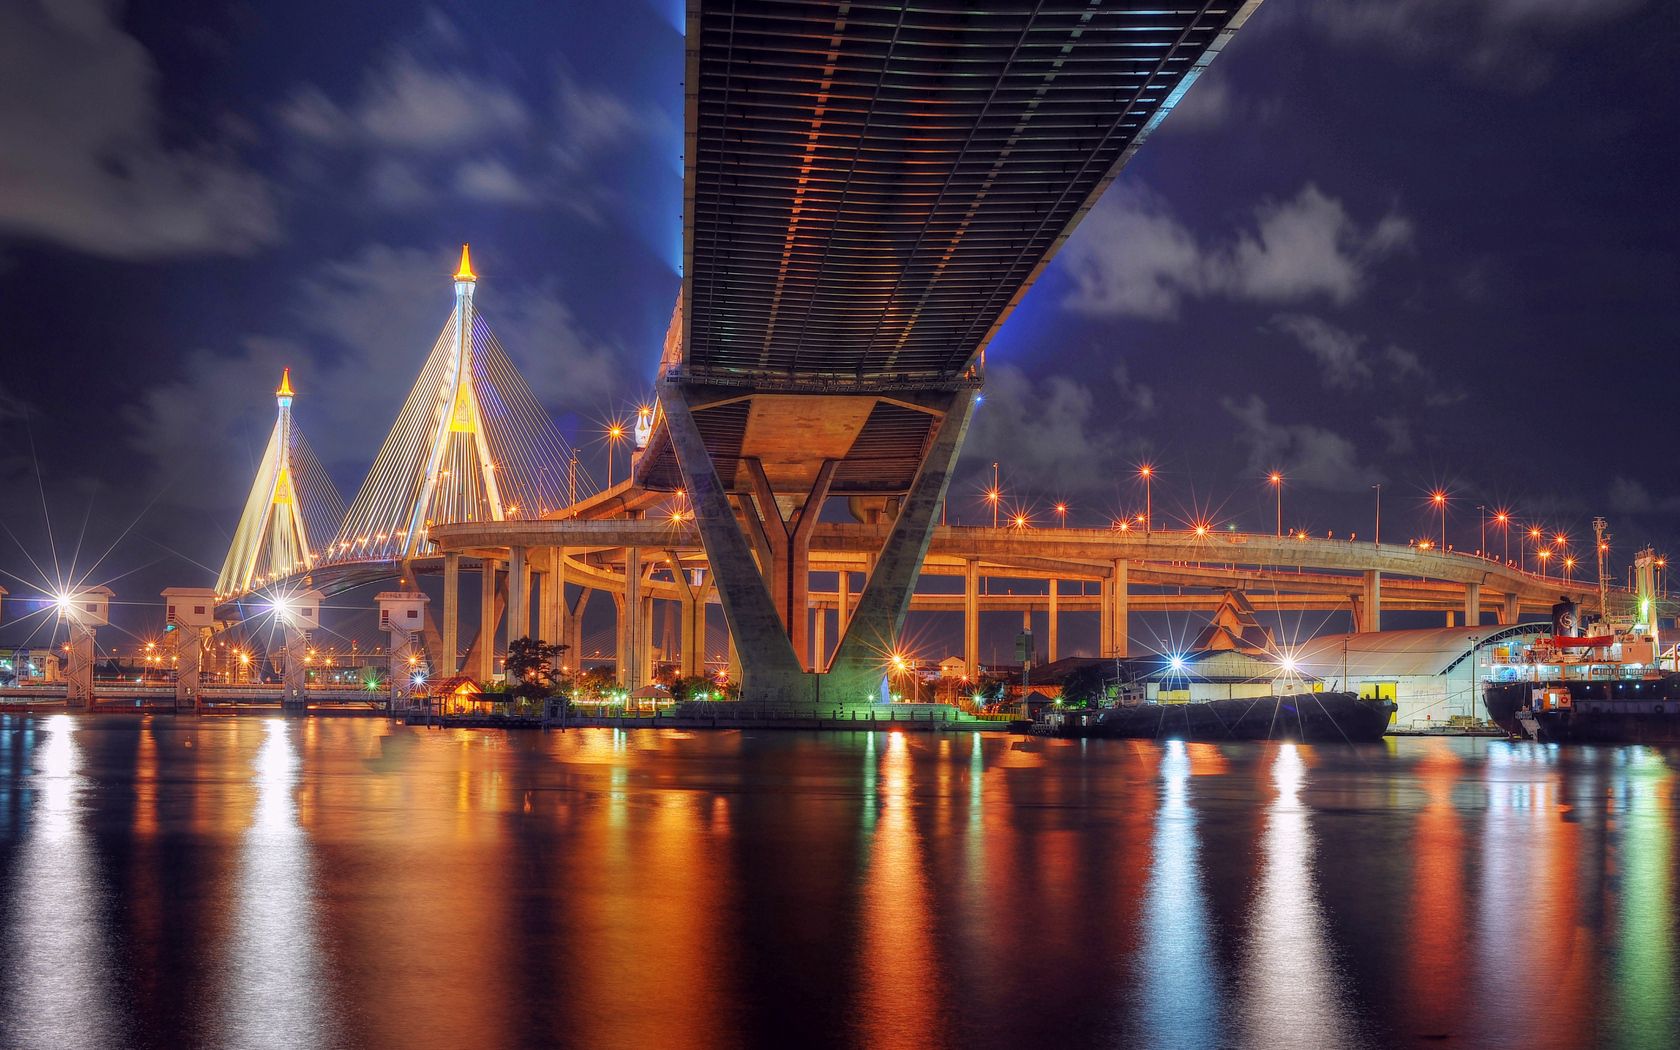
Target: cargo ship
1309,717
1595,682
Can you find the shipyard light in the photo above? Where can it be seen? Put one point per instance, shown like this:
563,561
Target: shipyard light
1176,664
62,603
1287,664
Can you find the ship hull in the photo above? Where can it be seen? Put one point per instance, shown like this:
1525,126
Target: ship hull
1308,717
1600,712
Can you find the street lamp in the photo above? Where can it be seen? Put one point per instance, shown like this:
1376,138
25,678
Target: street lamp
1544,554
1482,510
1147,473
1061,512
1439,498
1376,538
1276,478
615,434
1503,518
1568,568
994,495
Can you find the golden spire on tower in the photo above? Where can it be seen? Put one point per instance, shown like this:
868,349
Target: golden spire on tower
285,384
465,273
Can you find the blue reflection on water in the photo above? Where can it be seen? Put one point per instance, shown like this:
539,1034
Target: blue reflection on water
1180,994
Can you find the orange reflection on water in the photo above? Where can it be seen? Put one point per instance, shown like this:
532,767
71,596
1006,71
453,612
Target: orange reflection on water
1435,963
898,970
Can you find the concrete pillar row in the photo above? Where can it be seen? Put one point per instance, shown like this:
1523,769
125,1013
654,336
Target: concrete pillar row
971,620
1372,618
449,659
1052,632
519,593
629,658
1472,605
484,648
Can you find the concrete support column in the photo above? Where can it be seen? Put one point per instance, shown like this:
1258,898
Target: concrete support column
484,650
1052,633
1472,605
754,622
971,620
885,600
451,655
78,674
519,594
819,640
1450,618
554,598
691,612
629,661
1511,611
645,646
1372,618
292,677
571,628
843,591
787,542
1116,610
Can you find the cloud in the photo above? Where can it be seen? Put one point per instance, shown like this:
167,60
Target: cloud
86,163
1628,496
1509,43
1340,353
492,182
405,104
1051,431
1317,458
1132,256
364,325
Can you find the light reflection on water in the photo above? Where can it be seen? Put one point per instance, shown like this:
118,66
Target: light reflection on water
345,882
57,971
1181,1000
272,991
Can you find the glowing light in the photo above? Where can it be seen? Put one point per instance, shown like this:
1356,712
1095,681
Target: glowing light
285,383
1020,521
1286,663
1176,663
1438,497
1275,478
1146,471
465,271
1201,528
993,495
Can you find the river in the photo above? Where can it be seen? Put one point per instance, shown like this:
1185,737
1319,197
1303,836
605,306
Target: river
327,882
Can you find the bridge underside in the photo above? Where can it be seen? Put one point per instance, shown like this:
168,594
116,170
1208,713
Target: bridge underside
870,187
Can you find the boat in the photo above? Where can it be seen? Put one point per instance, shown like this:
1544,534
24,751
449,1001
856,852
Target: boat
1597,681
1331,717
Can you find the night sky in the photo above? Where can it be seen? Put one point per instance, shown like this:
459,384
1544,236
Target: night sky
1421,243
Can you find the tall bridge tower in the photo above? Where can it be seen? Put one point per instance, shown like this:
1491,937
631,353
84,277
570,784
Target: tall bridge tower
292,511
471,443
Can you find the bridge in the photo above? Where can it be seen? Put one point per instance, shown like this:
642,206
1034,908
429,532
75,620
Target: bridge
869,190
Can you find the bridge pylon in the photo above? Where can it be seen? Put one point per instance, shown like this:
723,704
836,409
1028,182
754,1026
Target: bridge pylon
292,511
471,443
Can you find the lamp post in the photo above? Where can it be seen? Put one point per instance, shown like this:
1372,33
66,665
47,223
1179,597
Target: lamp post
994,495
1568,568
1534,540
1376,538
1276,478
1147,473
1503,518
1482,510
1439,499
1061,512
1544,555
615,434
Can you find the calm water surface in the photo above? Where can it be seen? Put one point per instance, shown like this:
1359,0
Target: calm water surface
343,882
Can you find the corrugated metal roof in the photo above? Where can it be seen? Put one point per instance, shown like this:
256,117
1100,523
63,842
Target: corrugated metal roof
1393,654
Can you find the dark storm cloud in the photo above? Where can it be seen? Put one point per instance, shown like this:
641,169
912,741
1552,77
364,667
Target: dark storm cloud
85,162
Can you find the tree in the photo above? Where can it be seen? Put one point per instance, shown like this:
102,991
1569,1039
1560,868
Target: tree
530,667
692,687
1083,687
